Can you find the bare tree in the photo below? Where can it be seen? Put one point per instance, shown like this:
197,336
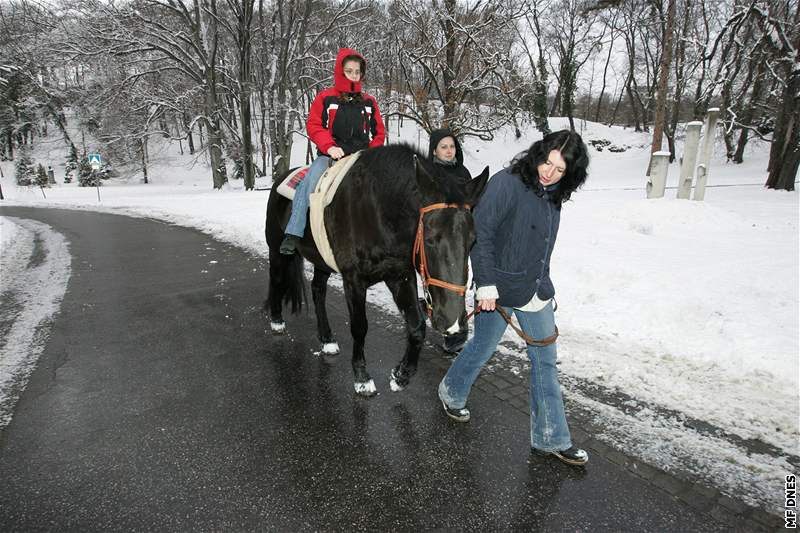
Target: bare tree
663,78
165,36
454,62
783,29
239,27
576,38
293,35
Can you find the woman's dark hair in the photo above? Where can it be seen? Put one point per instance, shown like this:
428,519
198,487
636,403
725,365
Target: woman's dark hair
362,64
575,155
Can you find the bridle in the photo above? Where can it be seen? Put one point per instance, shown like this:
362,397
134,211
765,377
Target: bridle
419,250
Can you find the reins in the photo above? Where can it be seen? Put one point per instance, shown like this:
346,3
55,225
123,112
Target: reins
524,336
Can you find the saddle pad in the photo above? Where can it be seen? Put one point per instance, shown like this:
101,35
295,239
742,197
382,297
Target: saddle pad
321,198
290,183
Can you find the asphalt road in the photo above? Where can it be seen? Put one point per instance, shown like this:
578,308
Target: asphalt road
163,402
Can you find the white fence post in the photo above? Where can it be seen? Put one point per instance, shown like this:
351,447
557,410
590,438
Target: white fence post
690,145
658,175
705,154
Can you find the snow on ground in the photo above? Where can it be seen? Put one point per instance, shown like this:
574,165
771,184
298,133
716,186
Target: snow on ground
690,307
34,271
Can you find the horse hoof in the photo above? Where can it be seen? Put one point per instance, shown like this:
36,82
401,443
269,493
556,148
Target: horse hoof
397,384
330,348
278,327
366,389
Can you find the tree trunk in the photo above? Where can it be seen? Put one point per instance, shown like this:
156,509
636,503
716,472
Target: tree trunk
747,112
616,107
634,109
680,83
143,148
189,136
784,154
244,97
568,75
540,97
663,77
605,74
218,170
449,99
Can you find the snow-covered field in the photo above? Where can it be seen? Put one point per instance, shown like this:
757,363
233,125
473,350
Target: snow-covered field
689,308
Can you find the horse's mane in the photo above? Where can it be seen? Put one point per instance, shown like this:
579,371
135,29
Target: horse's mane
393,166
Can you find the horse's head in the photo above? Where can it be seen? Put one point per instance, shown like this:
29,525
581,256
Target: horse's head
445,233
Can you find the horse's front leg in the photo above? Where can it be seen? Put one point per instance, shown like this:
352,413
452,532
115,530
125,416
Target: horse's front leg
355,290
319,290
404,292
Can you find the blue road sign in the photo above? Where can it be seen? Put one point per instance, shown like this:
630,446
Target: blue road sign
94,161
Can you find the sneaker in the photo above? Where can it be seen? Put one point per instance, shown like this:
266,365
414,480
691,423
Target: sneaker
289,244
572,455
459,415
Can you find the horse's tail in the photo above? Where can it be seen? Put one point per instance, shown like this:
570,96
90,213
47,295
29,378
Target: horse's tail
286,284
295,283
286,279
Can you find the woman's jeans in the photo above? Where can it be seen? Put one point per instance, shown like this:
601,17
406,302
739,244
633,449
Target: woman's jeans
549,429
297,222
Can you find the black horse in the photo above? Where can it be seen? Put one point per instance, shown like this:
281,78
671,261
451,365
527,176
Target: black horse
372,225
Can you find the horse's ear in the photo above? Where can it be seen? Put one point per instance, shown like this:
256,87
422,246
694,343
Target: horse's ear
475,187
428,185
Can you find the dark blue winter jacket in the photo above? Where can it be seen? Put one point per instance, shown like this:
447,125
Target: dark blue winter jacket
516,229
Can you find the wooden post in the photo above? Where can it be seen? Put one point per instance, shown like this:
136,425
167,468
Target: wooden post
690,146
705,154
658,175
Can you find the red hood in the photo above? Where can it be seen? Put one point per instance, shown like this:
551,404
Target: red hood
340,81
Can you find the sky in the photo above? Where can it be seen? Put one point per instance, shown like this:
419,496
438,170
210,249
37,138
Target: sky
684,314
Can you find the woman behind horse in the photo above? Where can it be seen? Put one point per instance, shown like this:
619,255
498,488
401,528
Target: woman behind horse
445,152
516,223
342,121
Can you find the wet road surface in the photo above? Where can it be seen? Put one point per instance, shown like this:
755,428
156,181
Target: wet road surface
162,402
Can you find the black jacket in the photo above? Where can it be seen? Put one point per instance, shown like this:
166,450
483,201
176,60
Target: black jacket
515,231
457,169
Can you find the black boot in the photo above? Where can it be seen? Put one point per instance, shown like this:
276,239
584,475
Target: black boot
289,244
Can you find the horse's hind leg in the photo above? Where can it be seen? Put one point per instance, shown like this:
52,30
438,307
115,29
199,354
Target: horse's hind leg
404,292
355,291
319,290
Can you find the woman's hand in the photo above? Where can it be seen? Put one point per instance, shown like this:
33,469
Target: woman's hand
335,152
487,305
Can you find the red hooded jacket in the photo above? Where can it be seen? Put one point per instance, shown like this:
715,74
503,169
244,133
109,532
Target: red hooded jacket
363,114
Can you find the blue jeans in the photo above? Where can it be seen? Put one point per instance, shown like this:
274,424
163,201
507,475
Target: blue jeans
297,222
549,429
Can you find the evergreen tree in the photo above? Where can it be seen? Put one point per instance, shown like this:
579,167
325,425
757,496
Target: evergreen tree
25,172
41,176
71,166
87,177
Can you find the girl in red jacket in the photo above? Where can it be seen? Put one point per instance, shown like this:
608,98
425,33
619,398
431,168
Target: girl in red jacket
342,121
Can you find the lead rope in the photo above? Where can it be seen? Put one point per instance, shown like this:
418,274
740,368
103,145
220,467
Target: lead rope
524,336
